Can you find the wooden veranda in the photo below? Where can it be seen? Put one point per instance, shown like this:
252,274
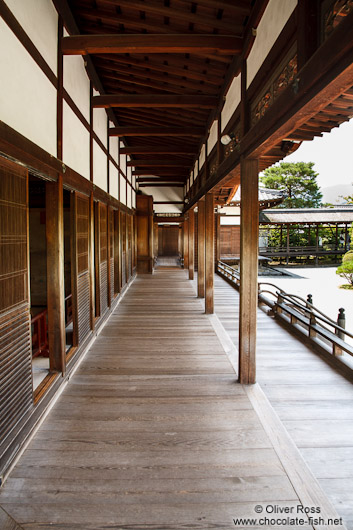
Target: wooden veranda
156,432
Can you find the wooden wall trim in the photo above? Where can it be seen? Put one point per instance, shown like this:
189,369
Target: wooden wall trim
19,149
55,274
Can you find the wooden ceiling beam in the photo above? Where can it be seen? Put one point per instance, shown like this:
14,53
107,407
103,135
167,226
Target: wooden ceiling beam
157,150
207,73
179,14
241,7
197,132
152,101
162,185
159,163
157,178
144,74
160,172
149,43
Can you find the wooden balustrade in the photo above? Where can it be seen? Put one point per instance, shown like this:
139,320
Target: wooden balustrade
40,345
297,312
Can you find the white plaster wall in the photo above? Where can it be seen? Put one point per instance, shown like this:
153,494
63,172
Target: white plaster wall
275,17
122,162
74,135
167,193
232,101
122,190
100,125
76,83
212,139
133,199
128,202
114,148
39,19
27,98
114,181
99,167
202,156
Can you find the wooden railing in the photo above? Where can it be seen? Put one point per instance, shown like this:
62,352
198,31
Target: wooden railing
305,250
298,312
68,310
40,345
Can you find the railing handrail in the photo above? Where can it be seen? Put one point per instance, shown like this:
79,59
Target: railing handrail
303,307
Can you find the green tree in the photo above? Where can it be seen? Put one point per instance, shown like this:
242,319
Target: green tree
346,269
297,180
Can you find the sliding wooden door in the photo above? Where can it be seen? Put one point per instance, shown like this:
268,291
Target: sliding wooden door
16,394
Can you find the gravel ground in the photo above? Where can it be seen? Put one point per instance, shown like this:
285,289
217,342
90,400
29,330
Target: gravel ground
323,283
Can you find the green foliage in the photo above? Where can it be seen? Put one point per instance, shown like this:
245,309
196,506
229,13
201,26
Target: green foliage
297,180
348,199
346,269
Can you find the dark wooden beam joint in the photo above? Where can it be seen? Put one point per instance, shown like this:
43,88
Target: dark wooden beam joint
149,43
155,101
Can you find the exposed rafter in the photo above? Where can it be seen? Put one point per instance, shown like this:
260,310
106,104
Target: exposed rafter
160,163
149,43
155,101
196,132
157,150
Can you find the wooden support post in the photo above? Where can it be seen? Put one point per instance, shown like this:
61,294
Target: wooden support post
287,253
91,260
209,252
117,256
55,274
218,240
249,235
201,249
191,243
186,243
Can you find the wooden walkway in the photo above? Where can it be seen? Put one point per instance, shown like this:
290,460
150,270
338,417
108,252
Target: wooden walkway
152,431
313,401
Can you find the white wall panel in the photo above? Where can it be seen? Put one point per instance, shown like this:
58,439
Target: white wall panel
76,83
27,98
99,167
39,19
100,124
274,19
202,156
167,193
74,135
114,180
233,97
114,148
122,190
212,139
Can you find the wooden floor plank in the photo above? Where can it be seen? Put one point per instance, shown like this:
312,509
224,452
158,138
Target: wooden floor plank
152,431
314,402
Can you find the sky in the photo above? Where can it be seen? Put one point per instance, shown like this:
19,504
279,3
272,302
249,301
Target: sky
332,155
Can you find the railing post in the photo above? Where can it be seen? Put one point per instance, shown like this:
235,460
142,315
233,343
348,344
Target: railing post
309,300
312,333
341,321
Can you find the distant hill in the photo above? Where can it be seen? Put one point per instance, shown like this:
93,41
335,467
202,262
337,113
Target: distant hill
332,193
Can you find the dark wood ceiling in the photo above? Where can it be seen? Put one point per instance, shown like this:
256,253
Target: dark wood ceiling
200,74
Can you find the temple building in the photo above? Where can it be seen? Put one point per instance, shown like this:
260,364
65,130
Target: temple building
125,127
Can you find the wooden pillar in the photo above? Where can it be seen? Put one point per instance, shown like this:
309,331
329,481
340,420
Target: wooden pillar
55,274
201,249
218,240
91,260
144,220
186,243
287,255
249,236
191,243
209,252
